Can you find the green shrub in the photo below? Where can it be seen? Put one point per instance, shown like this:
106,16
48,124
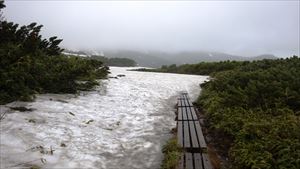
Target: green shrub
30,65
171,154
257,105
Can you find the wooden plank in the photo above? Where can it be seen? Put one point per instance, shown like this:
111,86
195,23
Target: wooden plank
180,133
198,161
181,162
185,96
194,140
188,161
181,97
184,114
180,103
183,102
206,162
188,113
193,112
186,134
180,113
186,103
184,93
200,135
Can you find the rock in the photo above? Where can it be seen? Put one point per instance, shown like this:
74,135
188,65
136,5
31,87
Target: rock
21,109
110,129
36,120
63,145
31,121
72,113
42,150
88,122
120,75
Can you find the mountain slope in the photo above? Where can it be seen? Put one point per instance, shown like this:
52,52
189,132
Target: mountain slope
157,59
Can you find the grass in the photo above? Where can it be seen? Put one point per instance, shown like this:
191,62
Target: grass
171,154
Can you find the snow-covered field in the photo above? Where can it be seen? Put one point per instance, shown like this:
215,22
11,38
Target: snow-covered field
123,124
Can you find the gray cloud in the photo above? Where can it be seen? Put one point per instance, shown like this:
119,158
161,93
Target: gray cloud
236,27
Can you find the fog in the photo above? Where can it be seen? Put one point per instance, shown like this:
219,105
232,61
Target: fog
236,27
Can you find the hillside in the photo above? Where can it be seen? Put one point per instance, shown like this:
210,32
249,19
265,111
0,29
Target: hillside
112,61
157,58
120,62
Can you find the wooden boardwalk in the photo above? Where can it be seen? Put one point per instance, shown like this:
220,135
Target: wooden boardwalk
190,137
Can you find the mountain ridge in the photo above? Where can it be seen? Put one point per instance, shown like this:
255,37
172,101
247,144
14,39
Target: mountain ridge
156,59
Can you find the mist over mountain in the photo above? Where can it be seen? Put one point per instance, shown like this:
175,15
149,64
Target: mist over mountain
158,58
264,56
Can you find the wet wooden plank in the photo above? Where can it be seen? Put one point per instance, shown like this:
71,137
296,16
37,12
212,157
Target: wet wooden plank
194,140
193,112
206,162
185,96
200,135
181,97
184,93
186,100
180,113
188,113
180,102
186,103
181,162
198,161
186,134
189,161
184,114
180,133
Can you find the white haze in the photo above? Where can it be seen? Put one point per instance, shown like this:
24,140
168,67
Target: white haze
236,27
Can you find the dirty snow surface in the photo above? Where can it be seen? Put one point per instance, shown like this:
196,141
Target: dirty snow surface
122,124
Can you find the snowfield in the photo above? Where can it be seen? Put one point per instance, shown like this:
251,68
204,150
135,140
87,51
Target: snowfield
122,124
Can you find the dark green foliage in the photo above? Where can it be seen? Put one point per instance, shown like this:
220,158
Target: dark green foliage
256,103
28,39
2,4
30,64
21,109
1,13
121,62
203,68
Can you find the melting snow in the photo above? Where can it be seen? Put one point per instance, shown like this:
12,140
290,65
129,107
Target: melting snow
122,124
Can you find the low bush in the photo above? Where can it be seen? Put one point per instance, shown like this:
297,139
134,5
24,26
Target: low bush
30,64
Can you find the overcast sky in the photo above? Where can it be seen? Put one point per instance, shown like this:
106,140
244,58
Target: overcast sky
236,27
